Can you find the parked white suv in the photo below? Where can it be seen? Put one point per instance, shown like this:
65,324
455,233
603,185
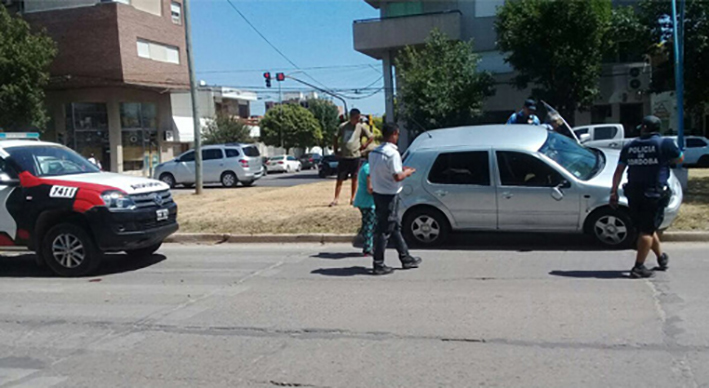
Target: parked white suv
227,164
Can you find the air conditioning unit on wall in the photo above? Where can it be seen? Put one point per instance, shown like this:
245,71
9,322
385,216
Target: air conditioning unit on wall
638,77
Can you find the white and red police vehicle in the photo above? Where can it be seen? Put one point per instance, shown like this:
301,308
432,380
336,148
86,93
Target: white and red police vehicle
58,204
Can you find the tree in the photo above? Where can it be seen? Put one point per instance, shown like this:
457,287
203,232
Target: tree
24,61
290,125
558,47
440,84
656,39
328,116
226,129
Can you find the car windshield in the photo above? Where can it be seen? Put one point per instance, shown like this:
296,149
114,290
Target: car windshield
581,162
251,151
44,161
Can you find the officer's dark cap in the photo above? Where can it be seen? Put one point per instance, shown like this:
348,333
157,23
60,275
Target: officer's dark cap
651,123
531,105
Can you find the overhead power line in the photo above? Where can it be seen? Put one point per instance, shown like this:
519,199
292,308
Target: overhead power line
271,44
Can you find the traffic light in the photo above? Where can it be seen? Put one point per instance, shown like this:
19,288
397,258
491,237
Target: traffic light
280,77
267,76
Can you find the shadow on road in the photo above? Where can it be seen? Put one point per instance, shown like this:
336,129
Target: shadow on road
25,266
520,242
338,255
343,272
591,274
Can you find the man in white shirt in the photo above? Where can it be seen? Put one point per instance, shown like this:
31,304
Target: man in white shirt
387,175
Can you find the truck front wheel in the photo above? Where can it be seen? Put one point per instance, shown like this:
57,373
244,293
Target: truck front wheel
70,251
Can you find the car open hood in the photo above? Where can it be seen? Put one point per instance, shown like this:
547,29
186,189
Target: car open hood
127,183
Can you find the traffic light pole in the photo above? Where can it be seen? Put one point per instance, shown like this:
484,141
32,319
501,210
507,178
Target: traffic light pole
195,108
323,91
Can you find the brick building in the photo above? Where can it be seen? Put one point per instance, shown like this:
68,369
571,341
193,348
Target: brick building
118,64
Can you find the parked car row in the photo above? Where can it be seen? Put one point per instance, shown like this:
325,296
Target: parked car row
696,151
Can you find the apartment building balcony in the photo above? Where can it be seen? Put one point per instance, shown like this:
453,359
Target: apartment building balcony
374,37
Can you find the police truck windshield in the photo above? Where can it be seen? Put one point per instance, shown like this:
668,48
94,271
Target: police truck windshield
581,162
45,161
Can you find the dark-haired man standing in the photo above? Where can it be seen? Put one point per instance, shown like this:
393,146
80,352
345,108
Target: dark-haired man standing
348,146
387,175
648,159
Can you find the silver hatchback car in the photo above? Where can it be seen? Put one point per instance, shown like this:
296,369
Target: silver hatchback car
514,178
227,164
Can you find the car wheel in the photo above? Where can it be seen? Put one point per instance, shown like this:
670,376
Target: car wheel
297,169
248,184
70,251
425,227
168,179
288,169
228,179
144,252
612,228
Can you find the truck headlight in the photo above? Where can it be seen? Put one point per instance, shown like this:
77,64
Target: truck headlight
117,200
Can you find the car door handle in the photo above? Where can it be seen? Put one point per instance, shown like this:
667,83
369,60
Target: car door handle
507,195
613,144
441,193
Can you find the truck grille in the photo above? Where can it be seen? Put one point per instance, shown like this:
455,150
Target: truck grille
149,199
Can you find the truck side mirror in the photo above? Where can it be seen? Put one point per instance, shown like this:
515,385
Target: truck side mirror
584,137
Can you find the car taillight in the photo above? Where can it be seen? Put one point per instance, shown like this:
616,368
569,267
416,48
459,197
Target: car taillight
280,162
310,160
244,163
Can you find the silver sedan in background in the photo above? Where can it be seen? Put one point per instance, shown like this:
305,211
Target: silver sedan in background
514,178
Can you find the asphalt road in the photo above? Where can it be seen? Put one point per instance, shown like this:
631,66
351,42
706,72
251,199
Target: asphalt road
272,180
503,315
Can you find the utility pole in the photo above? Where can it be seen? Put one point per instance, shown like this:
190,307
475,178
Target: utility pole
195,108
678,34
280,112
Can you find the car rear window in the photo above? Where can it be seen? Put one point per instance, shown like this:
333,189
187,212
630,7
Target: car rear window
251,151
232,153
461,168
276,158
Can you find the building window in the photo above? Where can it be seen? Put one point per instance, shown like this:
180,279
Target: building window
87,131
402,8
158,52
176,12
139,137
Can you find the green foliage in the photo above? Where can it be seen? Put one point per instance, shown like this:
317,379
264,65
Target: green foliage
441,86
696,49
290,125
226,129
328,117
558,46
24,61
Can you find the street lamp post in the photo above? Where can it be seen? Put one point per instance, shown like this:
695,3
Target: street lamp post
678,35
195,108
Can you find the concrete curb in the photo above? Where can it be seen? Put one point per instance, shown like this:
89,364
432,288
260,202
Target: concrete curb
682,236
218,238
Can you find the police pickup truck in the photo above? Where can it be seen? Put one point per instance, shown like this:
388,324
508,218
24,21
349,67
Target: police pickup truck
58,204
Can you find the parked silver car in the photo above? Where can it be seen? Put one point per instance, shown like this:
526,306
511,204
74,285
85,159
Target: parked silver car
227,164
513,178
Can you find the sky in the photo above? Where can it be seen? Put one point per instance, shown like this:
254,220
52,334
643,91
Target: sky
311,34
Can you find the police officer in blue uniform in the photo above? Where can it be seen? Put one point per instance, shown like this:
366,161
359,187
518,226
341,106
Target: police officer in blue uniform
526,115
648,159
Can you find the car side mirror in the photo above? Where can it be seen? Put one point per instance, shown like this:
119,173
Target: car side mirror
584,137
557,194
